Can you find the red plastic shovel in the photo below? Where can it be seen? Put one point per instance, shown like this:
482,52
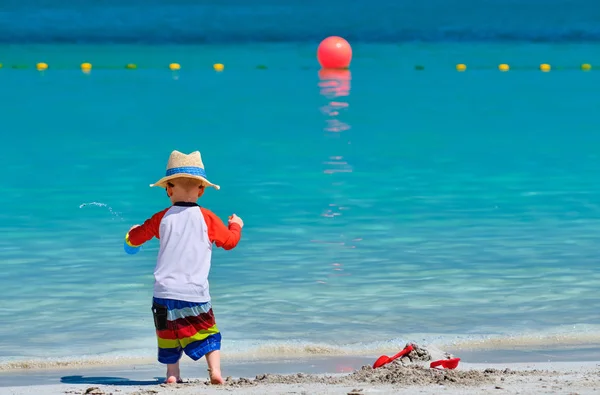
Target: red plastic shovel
445,363
384,359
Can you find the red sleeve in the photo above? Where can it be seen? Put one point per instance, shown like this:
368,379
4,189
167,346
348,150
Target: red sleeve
138,236
223,236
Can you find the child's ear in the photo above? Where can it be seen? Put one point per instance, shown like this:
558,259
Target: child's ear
200,191
169,193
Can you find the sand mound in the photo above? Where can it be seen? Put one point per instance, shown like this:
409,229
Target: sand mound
412,369
394,373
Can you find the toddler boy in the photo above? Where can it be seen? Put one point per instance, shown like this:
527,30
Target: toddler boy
182,310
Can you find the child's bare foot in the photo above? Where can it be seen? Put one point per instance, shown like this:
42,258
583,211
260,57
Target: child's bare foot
215,377
173,374
213,359
173,380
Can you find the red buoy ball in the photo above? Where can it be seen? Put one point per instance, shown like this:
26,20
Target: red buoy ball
334,53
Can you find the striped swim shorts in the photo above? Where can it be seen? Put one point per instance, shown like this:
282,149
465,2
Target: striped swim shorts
184,327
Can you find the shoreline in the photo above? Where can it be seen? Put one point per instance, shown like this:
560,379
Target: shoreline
530,369
580,378
475,353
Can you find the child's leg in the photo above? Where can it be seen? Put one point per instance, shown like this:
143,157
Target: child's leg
205,340
213,359
169,348
173,373
171,359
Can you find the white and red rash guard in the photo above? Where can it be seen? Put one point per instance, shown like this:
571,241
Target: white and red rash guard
186,232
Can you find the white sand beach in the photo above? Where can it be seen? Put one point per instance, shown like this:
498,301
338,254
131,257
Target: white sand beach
408,376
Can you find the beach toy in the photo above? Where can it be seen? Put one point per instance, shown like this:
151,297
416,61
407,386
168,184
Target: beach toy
41,66
334,53
174,66
445,363
384,359
218,66
129,249
461,67
503,67
86,67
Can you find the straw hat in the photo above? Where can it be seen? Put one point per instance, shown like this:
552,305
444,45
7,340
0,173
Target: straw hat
188,166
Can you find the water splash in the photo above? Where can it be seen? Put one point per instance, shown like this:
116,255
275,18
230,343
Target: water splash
114,213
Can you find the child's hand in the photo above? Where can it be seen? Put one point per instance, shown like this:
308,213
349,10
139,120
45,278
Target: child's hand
234,219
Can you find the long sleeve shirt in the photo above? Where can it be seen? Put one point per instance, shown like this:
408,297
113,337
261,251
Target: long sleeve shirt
186,232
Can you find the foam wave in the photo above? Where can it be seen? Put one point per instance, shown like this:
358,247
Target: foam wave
558,338
550,339
71,362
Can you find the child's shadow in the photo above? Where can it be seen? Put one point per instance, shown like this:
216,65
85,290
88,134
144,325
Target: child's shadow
108,380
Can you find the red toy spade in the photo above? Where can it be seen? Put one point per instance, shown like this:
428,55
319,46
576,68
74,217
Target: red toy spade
445,363
384,359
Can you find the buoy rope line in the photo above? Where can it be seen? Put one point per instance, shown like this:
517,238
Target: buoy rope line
86,67
461,67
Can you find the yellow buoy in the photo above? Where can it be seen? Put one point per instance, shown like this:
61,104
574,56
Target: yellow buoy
218,66
86,67
545,67
131,66
584,67
175,66
461,67
503,67
41,66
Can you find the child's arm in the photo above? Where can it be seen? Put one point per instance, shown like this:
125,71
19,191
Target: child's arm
139,234
223,236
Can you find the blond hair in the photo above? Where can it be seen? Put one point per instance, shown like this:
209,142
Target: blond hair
186,183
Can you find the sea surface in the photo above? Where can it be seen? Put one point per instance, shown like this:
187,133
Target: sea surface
398,201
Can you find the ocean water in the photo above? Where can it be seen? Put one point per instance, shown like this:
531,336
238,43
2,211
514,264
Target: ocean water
382,204
235,21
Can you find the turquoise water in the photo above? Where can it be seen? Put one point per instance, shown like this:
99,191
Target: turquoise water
389,205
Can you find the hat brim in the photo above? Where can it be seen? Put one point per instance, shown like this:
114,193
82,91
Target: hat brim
162,183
